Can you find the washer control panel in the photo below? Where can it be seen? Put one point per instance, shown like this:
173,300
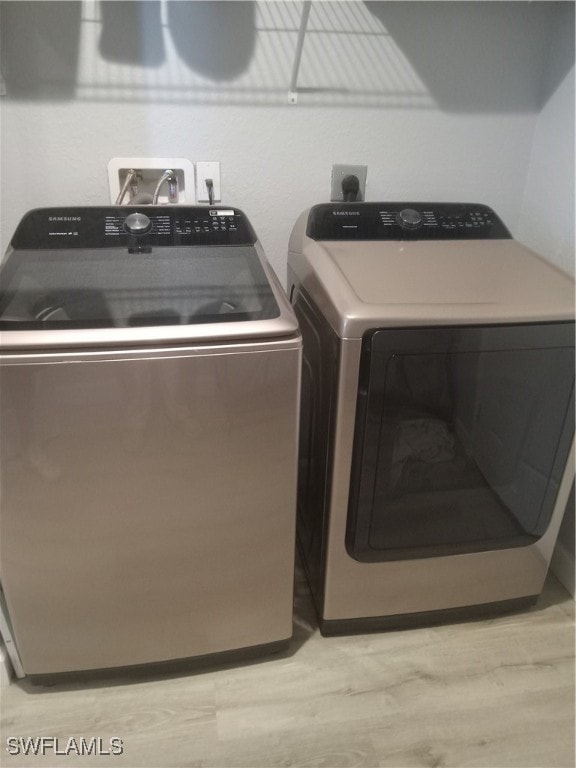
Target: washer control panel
133,227
405,221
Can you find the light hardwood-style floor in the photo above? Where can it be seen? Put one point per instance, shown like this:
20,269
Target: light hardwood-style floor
490,693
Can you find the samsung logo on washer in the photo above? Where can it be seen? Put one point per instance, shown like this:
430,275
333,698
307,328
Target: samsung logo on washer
346,213
64,218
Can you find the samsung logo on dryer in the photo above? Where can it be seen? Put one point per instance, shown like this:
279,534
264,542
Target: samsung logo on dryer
345,213
64,218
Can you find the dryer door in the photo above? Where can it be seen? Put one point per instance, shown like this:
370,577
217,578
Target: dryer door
462,439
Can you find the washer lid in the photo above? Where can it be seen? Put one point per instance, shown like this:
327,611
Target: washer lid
167,283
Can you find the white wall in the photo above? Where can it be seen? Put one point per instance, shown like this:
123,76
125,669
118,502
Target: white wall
547,218
440,100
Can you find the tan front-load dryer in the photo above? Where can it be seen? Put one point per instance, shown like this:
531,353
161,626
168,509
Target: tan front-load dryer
437,420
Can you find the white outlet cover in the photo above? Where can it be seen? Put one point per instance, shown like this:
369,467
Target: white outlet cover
183,168
339,171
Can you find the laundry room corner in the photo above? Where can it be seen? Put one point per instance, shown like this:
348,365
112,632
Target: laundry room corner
174,233
493,122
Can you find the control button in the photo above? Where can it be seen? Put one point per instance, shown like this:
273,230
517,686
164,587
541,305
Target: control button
409,218
137,224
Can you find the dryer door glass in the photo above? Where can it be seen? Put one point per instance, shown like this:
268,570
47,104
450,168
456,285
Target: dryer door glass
462,439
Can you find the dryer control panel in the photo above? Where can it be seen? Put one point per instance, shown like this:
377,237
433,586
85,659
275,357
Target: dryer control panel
405,221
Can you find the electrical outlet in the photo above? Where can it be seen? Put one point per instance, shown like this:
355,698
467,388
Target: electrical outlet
149,171
207,171
339,172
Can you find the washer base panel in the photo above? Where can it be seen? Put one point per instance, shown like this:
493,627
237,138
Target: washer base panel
196,664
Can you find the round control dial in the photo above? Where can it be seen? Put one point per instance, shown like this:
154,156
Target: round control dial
409,218
137,224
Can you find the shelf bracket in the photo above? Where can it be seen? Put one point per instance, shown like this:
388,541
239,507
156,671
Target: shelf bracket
293,92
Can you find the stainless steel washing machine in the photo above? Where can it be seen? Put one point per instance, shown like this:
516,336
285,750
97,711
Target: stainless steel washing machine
436,448
150,373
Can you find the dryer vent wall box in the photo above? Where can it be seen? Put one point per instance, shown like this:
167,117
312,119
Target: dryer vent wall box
144,489
444,438
149,171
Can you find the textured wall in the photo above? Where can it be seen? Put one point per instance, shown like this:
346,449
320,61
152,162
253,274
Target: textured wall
547,219
440,100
